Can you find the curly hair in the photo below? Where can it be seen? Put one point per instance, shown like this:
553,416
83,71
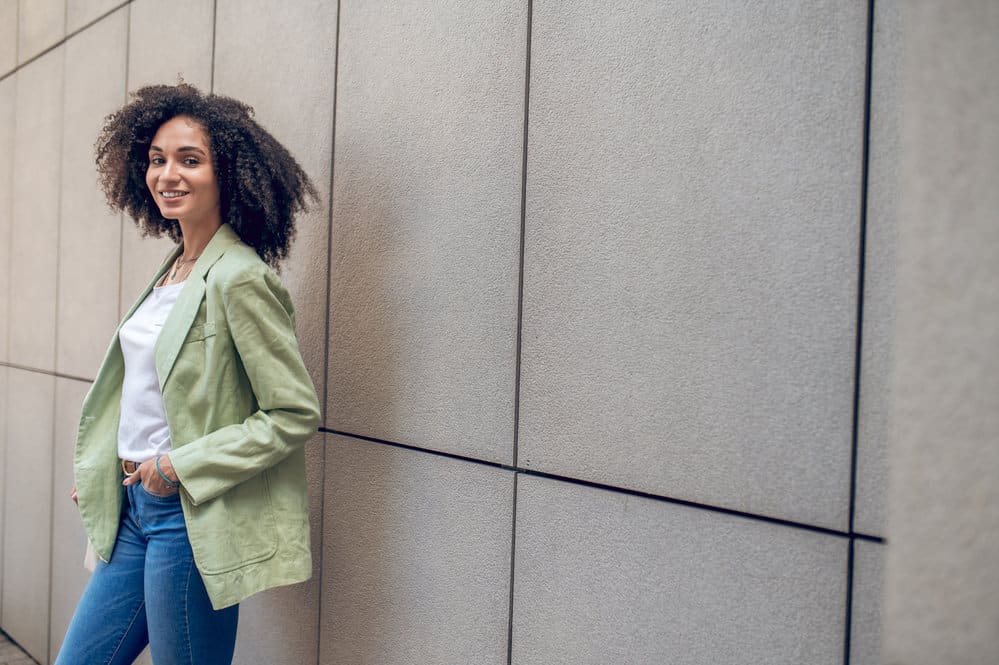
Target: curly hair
261,186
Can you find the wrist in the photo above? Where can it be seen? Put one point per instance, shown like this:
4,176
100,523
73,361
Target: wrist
163,473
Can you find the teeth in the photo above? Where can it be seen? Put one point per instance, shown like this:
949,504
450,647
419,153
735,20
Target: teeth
172,195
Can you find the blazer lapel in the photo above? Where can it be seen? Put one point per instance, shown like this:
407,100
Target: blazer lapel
185,310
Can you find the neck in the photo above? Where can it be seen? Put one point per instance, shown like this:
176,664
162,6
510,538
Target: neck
197,236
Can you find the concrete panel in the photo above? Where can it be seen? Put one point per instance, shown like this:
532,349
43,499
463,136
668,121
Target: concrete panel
189,25
879,272
69,540
28,510
690,274
140,257
426,210
416,564
89,253
190,58
603,577
8,35
942,581
190,53
298,55
81,12
282,625
37,189
868,585
7,112
40,24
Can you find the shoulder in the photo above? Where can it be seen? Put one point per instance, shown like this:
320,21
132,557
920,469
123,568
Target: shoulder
239,264
241,272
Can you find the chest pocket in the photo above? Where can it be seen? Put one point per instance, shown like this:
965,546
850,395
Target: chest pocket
200,331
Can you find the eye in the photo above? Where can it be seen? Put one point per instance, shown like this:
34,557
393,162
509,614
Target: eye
191,161
157,160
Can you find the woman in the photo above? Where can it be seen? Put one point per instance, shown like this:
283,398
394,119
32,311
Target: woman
190,471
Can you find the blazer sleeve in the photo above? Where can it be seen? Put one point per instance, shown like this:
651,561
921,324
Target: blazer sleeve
261,324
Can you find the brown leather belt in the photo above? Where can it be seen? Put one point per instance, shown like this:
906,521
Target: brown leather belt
129,467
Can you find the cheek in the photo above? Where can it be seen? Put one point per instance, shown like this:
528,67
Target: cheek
151,183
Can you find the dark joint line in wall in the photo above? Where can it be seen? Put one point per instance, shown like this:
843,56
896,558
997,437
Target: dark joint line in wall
38,370
520,250
612,488
63,40
406,446
858,350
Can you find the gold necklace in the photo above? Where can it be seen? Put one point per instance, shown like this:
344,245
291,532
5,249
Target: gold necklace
180,263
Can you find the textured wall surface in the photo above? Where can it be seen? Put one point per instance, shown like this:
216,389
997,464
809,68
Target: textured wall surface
580,296
874,408
24,613
426,210
682,584
690,257
944,495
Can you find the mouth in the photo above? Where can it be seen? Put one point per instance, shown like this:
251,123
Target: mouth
173,194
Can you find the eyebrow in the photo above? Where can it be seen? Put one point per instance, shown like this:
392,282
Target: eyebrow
185,148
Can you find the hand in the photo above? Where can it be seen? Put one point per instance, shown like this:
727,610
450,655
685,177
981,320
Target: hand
150,477
72,495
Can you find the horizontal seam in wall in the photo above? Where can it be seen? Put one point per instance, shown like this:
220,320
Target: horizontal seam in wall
619,490
552,476
48,372
62,41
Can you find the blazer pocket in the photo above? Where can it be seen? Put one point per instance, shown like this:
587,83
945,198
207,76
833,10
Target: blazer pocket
200,331
235,529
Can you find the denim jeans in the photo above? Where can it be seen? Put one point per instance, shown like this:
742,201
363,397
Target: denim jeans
150,593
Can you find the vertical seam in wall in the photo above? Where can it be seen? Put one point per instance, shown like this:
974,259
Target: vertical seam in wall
121,216
861,265
523,226
17,45
215,19
6,320
55,345
326,341
520,321
513,550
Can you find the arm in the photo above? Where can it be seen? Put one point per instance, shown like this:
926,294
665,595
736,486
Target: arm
260,321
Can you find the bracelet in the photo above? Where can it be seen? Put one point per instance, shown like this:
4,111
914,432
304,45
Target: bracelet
171,483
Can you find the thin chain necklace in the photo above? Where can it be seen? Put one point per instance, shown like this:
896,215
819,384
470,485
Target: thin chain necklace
180,263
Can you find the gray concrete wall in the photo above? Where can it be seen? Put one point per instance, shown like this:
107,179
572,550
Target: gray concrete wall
942,592
581,298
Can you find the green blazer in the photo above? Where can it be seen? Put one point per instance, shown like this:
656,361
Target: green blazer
240,405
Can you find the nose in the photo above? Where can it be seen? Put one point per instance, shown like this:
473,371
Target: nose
170,172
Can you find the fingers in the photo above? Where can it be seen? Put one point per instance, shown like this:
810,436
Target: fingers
73,496
132,478
147,475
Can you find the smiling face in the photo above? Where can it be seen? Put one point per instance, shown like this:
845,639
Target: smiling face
181,173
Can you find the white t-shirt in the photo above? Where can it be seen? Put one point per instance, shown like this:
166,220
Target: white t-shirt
143,432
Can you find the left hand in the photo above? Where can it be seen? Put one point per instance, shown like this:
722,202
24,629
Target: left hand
150,477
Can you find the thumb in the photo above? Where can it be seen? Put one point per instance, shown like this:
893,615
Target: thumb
131,478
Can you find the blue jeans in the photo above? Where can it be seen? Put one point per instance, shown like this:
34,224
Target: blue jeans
150,593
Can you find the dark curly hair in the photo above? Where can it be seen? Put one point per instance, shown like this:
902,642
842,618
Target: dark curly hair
261,186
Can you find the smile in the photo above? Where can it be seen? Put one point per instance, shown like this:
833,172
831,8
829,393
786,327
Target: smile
172,195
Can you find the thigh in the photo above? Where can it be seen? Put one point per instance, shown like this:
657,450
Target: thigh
109,625
183,627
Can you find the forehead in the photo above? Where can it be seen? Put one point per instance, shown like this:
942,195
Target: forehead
180,131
